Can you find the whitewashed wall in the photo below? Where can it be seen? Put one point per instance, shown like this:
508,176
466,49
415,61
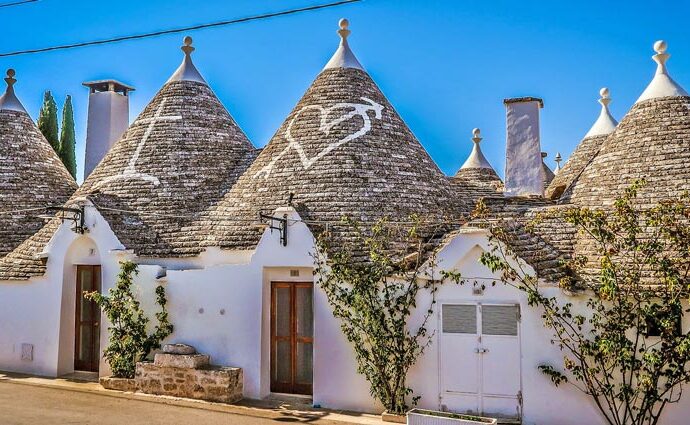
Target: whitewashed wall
219,302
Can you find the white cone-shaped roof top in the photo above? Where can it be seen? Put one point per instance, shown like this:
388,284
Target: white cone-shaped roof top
343,57
559,158
187,71
605,124
476,158
662,84
9,101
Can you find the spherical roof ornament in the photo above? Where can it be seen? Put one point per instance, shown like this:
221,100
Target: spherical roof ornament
662,84
9,101
10,80
476,138
187,45
344,32
343,56
476,158
605,124
187,71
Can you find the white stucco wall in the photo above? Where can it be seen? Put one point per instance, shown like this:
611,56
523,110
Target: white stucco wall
219,302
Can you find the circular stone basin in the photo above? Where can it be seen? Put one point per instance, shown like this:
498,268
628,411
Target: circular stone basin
183,349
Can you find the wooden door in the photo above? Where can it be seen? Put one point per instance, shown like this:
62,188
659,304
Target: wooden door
87,315
292,329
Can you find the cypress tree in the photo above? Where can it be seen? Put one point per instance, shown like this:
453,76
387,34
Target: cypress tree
48,121
68,139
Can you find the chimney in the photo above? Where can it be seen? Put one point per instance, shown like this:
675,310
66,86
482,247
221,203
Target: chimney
108,119
524,174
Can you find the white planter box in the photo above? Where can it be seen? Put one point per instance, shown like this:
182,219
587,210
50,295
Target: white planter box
429,417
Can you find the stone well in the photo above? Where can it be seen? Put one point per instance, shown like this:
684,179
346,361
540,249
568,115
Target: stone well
180,372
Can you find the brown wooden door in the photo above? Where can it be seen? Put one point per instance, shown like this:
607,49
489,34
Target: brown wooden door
292,331
87,326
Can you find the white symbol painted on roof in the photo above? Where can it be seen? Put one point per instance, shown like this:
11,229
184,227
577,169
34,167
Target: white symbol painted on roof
130,172
357,109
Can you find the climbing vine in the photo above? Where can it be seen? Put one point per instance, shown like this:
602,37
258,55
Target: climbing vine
373,285
129,342
624,347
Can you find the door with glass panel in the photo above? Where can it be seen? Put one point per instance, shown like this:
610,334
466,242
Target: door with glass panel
87,323
292,329
480,364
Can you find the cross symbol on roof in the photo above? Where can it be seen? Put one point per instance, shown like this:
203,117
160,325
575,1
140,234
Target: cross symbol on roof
130,171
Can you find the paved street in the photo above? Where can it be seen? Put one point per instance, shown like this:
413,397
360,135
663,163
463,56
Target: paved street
23,404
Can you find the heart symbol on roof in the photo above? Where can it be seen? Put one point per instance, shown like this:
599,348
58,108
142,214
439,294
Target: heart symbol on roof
355,109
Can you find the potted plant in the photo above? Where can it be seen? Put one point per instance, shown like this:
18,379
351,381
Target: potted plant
430,417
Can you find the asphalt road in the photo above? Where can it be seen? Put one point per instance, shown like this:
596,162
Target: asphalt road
24,404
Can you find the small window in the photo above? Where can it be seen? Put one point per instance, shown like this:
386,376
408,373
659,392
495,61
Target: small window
459,319
500,320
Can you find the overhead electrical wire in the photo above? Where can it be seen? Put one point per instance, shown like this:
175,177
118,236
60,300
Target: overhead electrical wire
178,30
17,3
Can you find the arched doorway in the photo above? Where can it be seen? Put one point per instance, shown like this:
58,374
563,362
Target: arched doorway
80,319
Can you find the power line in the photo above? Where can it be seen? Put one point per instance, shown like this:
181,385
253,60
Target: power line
179,30
17,3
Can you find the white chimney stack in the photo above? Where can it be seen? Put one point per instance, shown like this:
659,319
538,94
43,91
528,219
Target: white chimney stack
524,174
108,119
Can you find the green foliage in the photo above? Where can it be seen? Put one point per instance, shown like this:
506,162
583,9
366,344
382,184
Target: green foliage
68,138
636,281
48,121
129,342
374,299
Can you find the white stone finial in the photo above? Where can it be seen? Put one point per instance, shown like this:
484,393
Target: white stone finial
187,71
476,135
9,101
476,158
605,124
10,80
661,56
558,160
344,32
660,46
343,57
662,84
187,47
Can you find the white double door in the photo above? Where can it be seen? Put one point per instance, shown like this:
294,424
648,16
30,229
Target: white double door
480,358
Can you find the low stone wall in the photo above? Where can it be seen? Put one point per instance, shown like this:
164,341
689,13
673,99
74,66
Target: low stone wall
118,384
221,384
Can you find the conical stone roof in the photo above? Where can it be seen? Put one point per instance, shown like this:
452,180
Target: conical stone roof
651,142
585,151
477,172
180,156
32,176
342,151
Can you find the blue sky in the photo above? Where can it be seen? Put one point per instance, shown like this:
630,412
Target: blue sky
446,65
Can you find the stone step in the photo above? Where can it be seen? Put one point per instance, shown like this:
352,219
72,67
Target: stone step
182,361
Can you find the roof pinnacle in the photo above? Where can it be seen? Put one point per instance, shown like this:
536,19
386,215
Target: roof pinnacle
187,47
662,84
10,80
343,57
661,56
558,159
605,124
9,101
344,32
476,138
187,71
476,158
